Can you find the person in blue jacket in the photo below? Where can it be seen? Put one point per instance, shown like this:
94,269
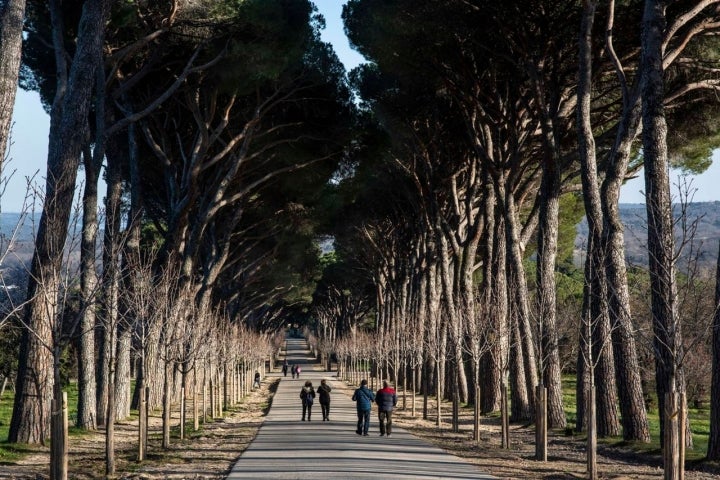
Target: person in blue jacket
363,397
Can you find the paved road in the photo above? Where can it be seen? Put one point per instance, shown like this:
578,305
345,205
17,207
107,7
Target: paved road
287,448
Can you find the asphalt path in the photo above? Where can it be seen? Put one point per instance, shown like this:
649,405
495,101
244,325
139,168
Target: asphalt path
288,448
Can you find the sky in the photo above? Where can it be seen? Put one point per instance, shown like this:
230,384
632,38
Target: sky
28,152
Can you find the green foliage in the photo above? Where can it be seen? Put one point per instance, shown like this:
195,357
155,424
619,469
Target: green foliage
571,212
268,36
9,346
6,405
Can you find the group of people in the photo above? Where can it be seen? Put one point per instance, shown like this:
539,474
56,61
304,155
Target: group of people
307,396
385,398
294,370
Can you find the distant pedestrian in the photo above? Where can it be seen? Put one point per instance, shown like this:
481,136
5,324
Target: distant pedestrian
285,368
324,392
256,381
363,397
293,370
307,396
386,400
297,371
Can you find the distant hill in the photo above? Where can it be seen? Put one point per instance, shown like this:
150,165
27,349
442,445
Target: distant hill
704,245
20,229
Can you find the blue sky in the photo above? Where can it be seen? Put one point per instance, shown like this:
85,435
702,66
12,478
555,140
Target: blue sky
28,153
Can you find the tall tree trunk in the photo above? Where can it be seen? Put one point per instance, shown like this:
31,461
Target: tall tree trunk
109,322
520,405
608,423
68,134
520,309
549,356
713,452
627,369
122,372
496,363
593,293
666,327
87,387
12,15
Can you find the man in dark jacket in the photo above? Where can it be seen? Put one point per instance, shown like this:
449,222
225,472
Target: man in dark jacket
363,397
386,399
324,391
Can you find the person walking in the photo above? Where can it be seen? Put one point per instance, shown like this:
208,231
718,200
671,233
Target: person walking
293,370
324,392
386,400
285,368
307,395
256,381
363,397
297,370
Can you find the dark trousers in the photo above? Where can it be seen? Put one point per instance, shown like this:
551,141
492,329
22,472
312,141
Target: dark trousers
385,416
307,409
325,410
363,424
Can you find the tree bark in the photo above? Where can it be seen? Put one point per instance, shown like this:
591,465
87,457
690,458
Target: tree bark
519,303
666,327
495,363
627,370
87,387
520,405
122,372
606,415
68,134
12,14
593,289
549,357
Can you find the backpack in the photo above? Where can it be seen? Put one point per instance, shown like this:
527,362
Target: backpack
308,398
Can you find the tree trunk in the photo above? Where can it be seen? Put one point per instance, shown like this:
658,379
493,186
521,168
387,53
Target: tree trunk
109,322
608,423
12,15
519,310
122,373
496,362
610,250
593,295
87,387
455,319
520,403
713,452
549,356
68,134
666,327
549,196
627,368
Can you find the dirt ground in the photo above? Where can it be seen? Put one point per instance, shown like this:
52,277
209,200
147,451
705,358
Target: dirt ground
210,453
